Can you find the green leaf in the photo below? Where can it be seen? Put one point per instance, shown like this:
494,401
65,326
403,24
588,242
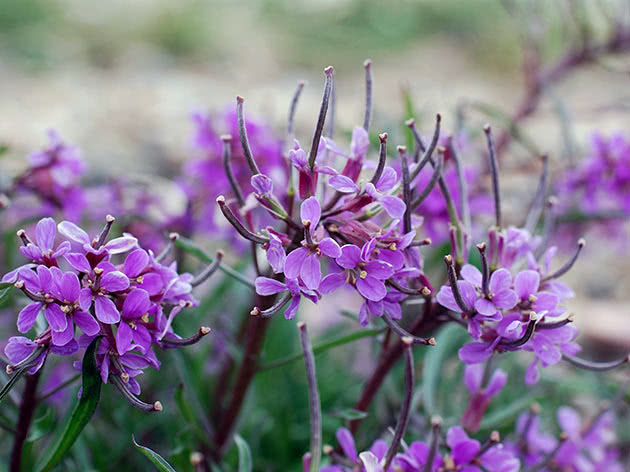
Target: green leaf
244,455
322,347
350,414
188,246
83,412
5,288
506,413
11,383
448,341
158,461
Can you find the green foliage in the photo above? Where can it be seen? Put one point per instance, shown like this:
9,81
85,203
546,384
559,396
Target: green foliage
158,461
83,412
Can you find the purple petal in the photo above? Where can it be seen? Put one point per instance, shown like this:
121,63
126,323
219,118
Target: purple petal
367,249
468,292
28,315
395,258
445,298
346,442
364,316
66,349
115,281
31,251
360,143
505,299
45,232
85,299
471,274
73,232
545,301
474,353
152,283
342,184
546,351
569,421
350,256
106,310
123,338
387,180
135,263
394,206
526,283
78,262
485,307
311,211
86,323
19,348
371,288
276,255
293,307
262,184
120,245
379,269
61,338
329,247
500,280
294,262
70,287
31,279
311,272
266,286
532,374
136,304
332,282
496,384
56,318
473,374
104,369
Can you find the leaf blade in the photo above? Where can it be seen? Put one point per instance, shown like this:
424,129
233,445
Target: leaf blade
244,454
83,412
158,461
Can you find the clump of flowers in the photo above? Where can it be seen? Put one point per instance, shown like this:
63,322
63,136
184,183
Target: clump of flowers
82,288
50,184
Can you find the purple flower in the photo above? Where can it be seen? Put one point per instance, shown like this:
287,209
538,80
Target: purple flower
135,312
83,243
44,251
367,275
526,285
266,286
465,454
500,295
480,395
304,262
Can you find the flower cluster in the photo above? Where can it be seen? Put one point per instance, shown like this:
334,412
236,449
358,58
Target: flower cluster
596,192
50,184
217,146
460,452
580,447
507,309
78,283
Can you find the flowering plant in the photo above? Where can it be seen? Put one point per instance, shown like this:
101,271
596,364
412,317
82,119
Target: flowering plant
320,223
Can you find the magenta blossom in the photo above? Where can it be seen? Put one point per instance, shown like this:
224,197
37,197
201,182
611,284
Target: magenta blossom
304,262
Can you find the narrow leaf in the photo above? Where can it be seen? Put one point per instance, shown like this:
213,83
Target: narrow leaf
11,382
448,341
324,346
350,414
158,461
83,412
244,455
188,246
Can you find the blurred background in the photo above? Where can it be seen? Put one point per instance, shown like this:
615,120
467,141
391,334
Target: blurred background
120,80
